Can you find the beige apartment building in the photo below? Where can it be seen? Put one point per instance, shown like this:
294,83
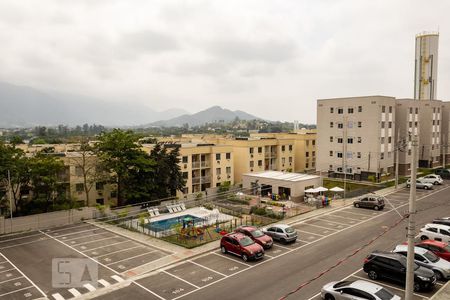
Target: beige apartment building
355,136
304,147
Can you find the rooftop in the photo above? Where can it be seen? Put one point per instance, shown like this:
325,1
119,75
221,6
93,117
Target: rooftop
287,176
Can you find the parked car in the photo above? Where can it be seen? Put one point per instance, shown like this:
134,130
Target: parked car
392,266
432,178
444,173
359,289
281,232
443,221
428,259
435,232
241,245
256,235
420,184
439,248
370,201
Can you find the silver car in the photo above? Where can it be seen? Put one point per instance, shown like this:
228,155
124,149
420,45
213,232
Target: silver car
356,290
432,178
281,232
420,184
428,259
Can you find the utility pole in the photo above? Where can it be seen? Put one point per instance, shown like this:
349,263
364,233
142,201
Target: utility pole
10,200
397,148
444,146
411,224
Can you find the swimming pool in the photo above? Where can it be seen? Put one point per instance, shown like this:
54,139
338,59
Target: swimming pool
166,224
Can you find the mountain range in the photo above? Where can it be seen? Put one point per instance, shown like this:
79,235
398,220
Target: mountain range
22,106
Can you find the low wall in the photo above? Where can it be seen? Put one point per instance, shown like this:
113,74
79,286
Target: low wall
46,220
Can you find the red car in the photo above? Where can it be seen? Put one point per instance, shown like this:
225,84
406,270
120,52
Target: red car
439,248
241,245
256,235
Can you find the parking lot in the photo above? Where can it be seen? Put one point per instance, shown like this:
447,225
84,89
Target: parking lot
204,271
26,260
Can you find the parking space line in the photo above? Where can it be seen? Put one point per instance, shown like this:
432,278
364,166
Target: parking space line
307,232
269,256
142,254
15,245
354,213
15,278
108,238
209,269
333,221
62,229
72,233
18,238
319,226
121,250
78,251
85,236
146,289
179,278
307,242
388,285
283,247
100,246
24,275
224,256
16,291
7,270
337,216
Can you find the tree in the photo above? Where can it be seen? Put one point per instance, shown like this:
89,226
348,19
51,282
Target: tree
45,184
121,155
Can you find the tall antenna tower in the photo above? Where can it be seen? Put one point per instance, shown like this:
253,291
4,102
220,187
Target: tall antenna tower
426,66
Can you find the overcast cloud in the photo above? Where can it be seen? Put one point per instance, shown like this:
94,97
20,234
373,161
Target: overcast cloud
273,59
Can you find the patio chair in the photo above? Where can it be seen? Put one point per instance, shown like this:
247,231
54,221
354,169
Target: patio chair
156,212
171,209
183,207
151,212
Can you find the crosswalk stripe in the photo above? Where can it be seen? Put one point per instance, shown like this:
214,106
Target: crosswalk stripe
90,287
75,292
58,296
104,282
118,278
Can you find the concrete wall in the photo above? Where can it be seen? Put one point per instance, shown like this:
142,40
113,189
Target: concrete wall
46,220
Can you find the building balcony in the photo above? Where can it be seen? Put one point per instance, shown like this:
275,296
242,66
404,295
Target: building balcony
202,164
270,154
201,179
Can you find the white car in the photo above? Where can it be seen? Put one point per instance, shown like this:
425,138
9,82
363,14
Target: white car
355,290
428,259
435,232
432,178
420,184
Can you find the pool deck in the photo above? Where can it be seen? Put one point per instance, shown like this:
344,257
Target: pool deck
198,212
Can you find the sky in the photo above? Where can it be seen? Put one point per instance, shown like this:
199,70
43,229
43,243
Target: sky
273,59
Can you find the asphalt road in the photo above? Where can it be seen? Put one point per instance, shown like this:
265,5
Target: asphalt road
325,240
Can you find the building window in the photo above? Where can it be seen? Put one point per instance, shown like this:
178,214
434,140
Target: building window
350,124
314,154
331,110
306,165
339,154
439,110
434,109
340,111
259,149
410,110
382,124
434,122
390,124
250,150
99,186
350,140
185,159
331,124
79,187
313,142
283,148
185,175
340,125
290,147
283,160
340,140
382,156
410,124
349,154
382,140
389,140
228,170
307,143
330,167
383,109
218,171
349,170
339,169
217,156
259,163
290,159
307,154
228,155
409,151
350,110
358,154
417,110
359,140
359,124
114,194
78,171
390,109
331,153
331,139
251,164
359,108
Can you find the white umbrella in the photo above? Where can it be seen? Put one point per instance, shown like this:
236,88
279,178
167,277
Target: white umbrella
321,189
310,191
337,189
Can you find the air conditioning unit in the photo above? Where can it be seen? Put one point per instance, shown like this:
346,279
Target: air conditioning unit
218,177
228,176
218,162
185,166
251,155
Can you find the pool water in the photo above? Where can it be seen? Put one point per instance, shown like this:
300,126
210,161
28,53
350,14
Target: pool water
166,224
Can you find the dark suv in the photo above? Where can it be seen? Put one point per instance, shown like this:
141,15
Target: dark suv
392,266
445,173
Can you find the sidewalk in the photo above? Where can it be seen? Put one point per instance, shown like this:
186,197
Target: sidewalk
178,253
